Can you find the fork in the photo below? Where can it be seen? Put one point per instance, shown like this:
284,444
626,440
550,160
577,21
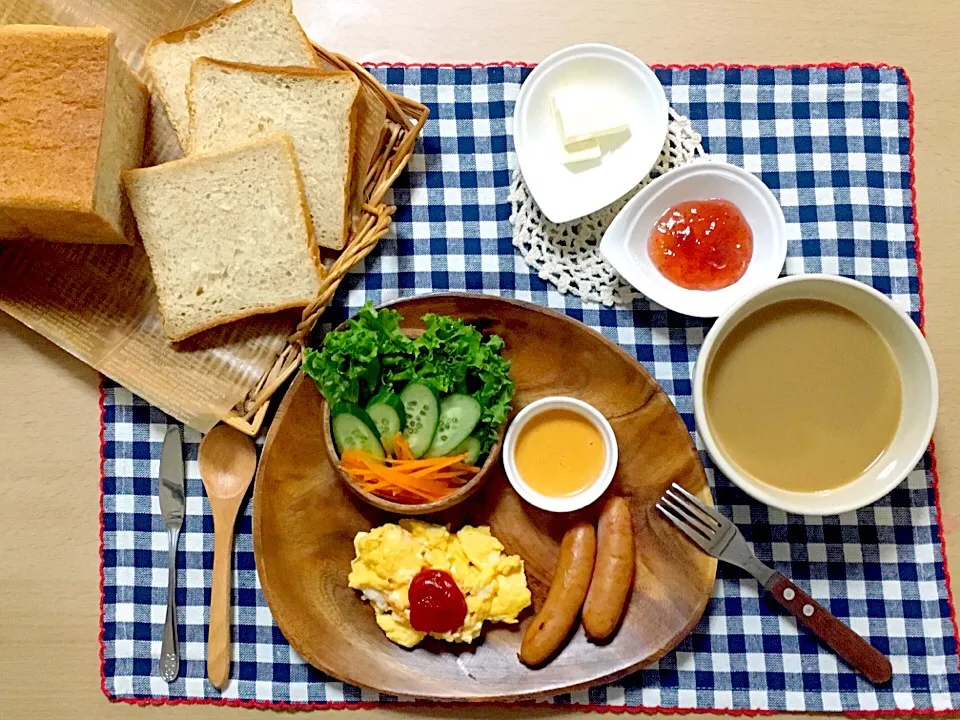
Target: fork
719,537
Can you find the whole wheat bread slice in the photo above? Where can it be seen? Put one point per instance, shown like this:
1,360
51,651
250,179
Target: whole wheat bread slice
264,32
232,102
228,235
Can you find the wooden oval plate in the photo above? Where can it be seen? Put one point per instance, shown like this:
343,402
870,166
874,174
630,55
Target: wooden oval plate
304,522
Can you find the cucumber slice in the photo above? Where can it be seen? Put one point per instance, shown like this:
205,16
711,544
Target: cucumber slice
386,411
354,430
471,446
422,410
459,415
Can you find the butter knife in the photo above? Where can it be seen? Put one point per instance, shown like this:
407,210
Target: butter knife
172,507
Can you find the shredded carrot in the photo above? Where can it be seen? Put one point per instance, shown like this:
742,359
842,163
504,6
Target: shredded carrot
438,464
397,495
409,465
426,463
455,477
382,469
463,467
402,447
404,478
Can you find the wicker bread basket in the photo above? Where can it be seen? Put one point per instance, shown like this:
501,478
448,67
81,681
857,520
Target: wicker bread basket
405,120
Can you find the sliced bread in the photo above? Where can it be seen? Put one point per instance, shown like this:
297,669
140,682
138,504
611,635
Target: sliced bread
228,235
72,116
232,102
264,32
371,119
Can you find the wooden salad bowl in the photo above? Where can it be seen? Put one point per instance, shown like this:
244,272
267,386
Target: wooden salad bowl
428,508
304,522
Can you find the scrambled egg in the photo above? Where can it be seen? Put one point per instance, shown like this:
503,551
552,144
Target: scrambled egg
389,556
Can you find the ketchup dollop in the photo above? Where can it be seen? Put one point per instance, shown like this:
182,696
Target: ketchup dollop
436,603
702,244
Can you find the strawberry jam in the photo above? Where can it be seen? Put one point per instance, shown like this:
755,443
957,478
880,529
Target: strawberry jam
702,244
436,603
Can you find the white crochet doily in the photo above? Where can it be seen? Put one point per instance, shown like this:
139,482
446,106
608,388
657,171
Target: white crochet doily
567,254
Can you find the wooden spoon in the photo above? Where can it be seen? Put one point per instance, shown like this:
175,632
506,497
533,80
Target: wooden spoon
228,460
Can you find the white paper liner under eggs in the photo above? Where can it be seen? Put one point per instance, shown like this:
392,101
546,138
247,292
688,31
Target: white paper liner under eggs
567,254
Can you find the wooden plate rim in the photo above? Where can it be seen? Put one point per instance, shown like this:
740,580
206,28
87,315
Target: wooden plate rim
512,697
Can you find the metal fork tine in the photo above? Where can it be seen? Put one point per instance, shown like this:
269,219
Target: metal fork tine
688,515
684,528
692,510
709,511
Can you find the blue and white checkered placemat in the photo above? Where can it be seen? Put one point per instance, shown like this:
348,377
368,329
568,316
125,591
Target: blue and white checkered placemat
834,144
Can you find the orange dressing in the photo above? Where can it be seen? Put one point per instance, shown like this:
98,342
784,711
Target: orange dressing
559,453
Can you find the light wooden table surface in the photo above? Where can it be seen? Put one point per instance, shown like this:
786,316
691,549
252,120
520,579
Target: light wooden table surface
49,423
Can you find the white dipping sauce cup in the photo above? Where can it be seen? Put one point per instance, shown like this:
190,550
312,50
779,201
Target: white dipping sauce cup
590,493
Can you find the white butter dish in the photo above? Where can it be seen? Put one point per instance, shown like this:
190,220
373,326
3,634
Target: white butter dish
569,190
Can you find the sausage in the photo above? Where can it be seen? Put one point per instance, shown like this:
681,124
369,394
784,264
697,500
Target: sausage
613,572
571,579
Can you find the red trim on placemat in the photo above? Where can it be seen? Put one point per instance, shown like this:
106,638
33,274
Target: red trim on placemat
911,117
616,709
656,66
913,205
943,547
103,594
589,707
284,705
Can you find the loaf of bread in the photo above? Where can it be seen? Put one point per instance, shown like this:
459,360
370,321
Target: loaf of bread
228,235
263,32
233,102
72,116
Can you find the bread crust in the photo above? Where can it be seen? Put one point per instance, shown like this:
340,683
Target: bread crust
281,71
130,177
312,245
371,113
276,70
179,35
352,169
127,229
262,310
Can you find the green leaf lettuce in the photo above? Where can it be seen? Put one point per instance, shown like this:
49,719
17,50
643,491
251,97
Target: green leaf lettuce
371,354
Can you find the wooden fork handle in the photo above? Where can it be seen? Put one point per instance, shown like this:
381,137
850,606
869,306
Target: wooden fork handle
857,652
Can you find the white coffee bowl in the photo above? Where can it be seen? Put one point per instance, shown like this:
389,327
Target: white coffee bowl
624,244
564,192
588,494
918,376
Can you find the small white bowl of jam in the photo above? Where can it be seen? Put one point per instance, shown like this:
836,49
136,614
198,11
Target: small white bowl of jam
560,454
699,238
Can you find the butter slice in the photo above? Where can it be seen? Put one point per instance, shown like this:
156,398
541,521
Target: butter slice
581,152
585,114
